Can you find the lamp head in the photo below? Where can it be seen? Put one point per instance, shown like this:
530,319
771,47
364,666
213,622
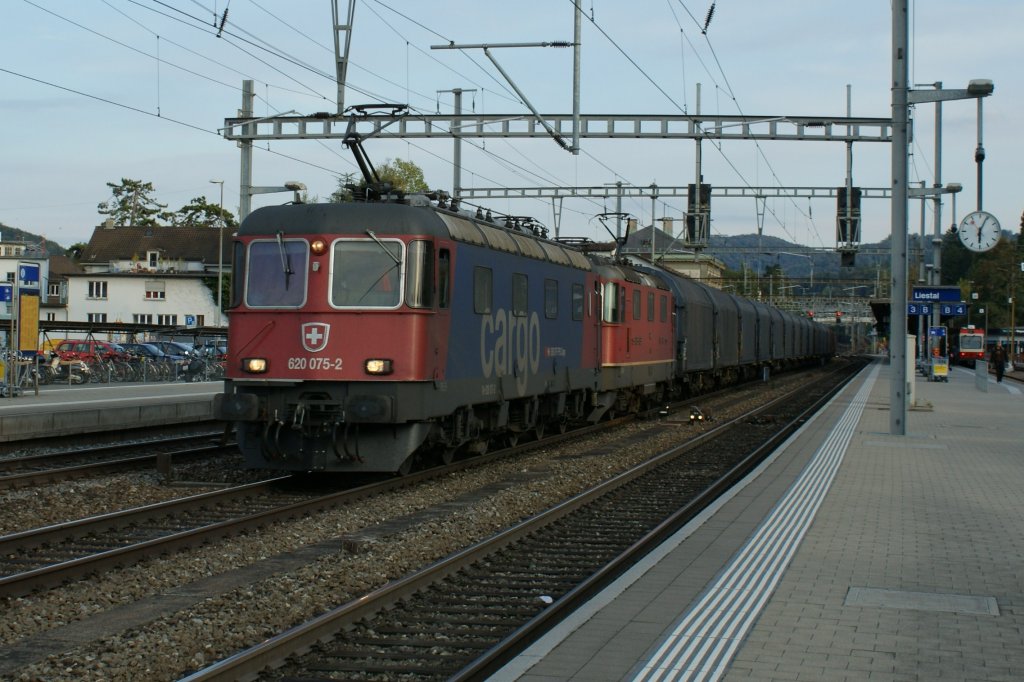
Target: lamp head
980,87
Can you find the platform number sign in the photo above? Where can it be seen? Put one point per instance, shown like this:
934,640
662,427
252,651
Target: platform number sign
919,309
6,293
28,275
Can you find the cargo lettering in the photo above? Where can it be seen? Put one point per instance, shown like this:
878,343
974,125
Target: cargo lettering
510,345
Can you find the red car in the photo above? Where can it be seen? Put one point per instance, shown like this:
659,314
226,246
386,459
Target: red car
90,351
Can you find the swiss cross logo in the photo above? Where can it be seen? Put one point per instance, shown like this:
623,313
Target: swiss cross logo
314,336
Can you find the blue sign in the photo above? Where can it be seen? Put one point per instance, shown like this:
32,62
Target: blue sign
190,320
6,293
919,309
953,309
936,294
936,331
28,274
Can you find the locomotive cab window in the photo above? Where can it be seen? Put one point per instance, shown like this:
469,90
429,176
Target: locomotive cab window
612,310
444,276
419,278
636,304
275,273
650,306
366,273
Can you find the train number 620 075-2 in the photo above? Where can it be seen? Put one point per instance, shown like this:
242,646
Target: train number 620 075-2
315,363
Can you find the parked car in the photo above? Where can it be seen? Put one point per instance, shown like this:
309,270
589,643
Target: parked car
214,350
146,350
90,351
175,349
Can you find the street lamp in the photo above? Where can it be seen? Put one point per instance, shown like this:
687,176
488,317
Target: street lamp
248,192
902,98
220,252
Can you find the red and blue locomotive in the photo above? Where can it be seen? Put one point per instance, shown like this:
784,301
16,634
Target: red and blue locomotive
367,336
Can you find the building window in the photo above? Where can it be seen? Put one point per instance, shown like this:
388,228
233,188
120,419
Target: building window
97,289
200,320
96,317
167,319
142,318
153,257
53,289
51,317
155,291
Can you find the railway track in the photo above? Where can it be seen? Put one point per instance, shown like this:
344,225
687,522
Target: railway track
43,558
465,616
16,472
9,448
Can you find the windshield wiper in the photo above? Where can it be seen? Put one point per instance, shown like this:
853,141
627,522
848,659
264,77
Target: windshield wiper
286,266
381,245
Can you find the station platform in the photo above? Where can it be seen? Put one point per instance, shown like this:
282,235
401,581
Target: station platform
72,410
851,554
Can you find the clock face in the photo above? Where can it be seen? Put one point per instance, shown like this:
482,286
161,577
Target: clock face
979,231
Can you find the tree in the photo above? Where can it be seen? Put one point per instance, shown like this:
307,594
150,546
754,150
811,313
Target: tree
344,191
405,177
201,213
76,250
132,204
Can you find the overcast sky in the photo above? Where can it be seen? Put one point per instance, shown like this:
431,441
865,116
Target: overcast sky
99,90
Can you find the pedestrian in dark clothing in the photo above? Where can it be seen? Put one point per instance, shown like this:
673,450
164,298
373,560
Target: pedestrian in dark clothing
999,360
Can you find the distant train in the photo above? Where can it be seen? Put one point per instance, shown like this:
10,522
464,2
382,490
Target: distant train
370,336
970,346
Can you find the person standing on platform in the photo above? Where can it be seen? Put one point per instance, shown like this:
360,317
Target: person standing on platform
999,360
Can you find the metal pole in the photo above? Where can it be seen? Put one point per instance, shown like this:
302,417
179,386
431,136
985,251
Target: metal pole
698,237
979,153
457,180
898,220
245,185
937,219
576,45
220,254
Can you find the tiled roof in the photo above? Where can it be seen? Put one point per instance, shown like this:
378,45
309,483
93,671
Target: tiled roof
62,265
195,244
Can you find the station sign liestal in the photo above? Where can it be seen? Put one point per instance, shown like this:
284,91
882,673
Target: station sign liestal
949,294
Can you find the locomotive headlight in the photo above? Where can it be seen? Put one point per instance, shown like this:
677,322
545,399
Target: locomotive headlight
378,366
254,365
318,247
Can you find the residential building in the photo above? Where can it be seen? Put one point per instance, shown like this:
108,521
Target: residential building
150,275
